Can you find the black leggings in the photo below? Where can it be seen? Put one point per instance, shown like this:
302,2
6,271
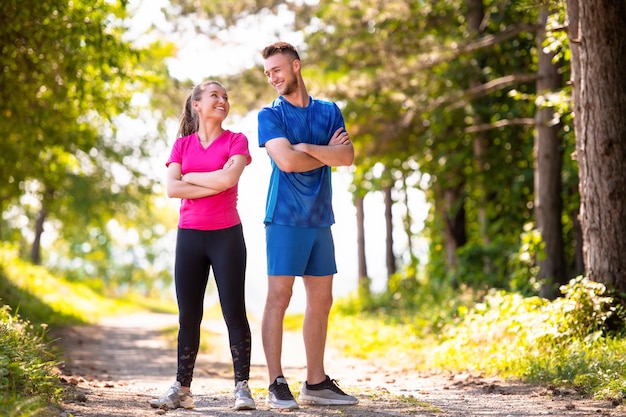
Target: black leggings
196,252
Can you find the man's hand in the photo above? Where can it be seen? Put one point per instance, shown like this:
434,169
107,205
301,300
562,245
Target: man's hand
340,137
330,154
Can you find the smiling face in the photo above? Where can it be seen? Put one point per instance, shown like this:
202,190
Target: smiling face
281,72
212,102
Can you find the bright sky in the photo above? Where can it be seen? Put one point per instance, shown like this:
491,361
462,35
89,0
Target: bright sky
200,58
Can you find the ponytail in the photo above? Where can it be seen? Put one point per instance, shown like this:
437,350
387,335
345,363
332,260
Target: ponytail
188,119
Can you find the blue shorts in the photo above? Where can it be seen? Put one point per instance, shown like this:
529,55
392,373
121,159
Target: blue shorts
298,251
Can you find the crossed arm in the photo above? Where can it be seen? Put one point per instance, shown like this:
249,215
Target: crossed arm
304,157
203,184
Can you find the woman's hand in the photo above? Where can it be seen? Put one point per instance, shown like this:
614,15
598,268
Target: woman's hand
228,163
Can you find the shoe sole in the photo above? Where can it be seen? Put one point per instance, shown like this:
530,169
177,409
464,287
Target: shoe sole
277,406
325,401
244,406
187,406
166,407
162,406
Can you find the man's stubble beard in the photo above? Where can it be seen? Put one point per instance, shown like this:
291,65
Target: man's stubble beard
290,87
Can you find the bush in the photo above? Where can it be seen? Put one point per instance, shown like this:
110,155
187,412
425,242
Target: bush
584,311
28,382
575,341
565,342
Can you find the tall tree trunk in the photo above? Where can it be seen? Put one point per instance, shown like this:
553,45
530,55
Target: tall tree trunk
35,251
408,219
548,165
598,46
475,17
449,205
578,263
364,280
390,258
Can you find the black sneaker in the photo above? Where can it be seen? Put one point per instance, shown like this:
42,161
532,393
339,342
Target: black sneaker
279,395
326,392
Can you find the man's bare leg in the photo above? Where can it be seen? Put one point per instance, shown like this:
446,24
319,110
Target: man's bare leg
279,291
319,300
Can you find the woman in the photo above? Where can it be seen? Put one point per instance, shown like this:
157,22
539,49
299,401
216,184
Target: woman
203,171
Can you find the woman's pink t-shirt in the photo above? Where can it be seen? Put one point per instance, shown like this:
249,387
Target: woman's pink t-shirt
218,211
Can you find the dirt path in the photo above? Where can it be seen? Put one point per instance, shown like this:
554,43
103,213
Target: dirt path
123,362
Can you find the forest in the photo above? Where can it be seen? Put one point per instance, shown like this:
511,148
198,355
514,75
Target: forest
470,102
506,115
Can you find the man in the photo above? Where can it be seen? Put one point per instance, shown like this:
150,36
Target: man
304,138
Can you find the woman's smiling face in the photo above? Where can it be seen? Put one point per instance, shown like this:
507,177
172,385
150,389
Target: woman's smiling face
213,102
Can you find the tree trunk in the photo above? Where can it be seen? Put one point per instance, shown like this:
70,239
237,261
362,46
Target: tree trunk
547,175
449,205
598,46
408,219
389,256
578,263
364,281
35,251
475,17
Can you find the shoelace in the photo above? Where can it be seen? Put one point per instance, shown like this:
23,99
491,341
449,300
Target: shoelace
170,392
334,386
243,390
283,392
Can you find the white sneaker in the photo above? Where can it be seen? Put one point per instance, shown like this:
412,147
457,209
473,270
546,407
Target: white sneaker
174,397
326,392
243,397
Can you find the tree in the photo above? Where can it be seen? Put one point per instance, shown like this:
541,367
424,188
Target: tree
448,86
547,157
68,78
390,257
598,47
364,281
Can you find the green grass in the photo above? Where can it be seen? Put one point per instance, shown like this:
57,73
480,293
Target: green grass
33,292
32,300
27,382
293,321
78,305
576,341
208,337
569,342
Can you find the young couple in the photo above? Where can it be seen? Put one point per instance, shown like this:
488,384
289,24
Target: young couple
304,138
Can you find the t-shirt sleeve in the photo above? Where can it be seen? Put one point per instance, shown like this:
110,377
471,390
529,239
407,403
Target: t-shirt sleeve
339,122
240,147
269,126
176,154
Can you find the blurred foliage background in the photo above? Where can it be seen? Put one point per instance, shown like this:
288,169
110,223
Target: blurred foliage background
468,102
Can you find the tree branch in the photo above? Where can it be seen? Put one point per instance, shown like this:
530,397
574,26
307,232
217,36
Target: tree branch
429,60
525,121
462,98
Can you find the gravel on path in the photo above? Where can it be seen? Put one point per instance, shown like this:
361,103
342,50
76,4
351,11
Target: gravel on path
115,367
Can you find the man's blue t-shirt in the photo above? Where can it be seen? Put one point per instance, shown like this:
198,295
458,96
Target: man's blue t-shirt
302,199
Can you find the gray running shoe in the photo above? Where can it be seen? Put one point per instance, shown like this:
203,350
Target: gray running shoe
279,395
243,397
325,393
175,397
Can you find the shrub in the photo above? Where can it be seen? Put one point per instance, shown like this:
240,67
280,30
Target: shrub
27,368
